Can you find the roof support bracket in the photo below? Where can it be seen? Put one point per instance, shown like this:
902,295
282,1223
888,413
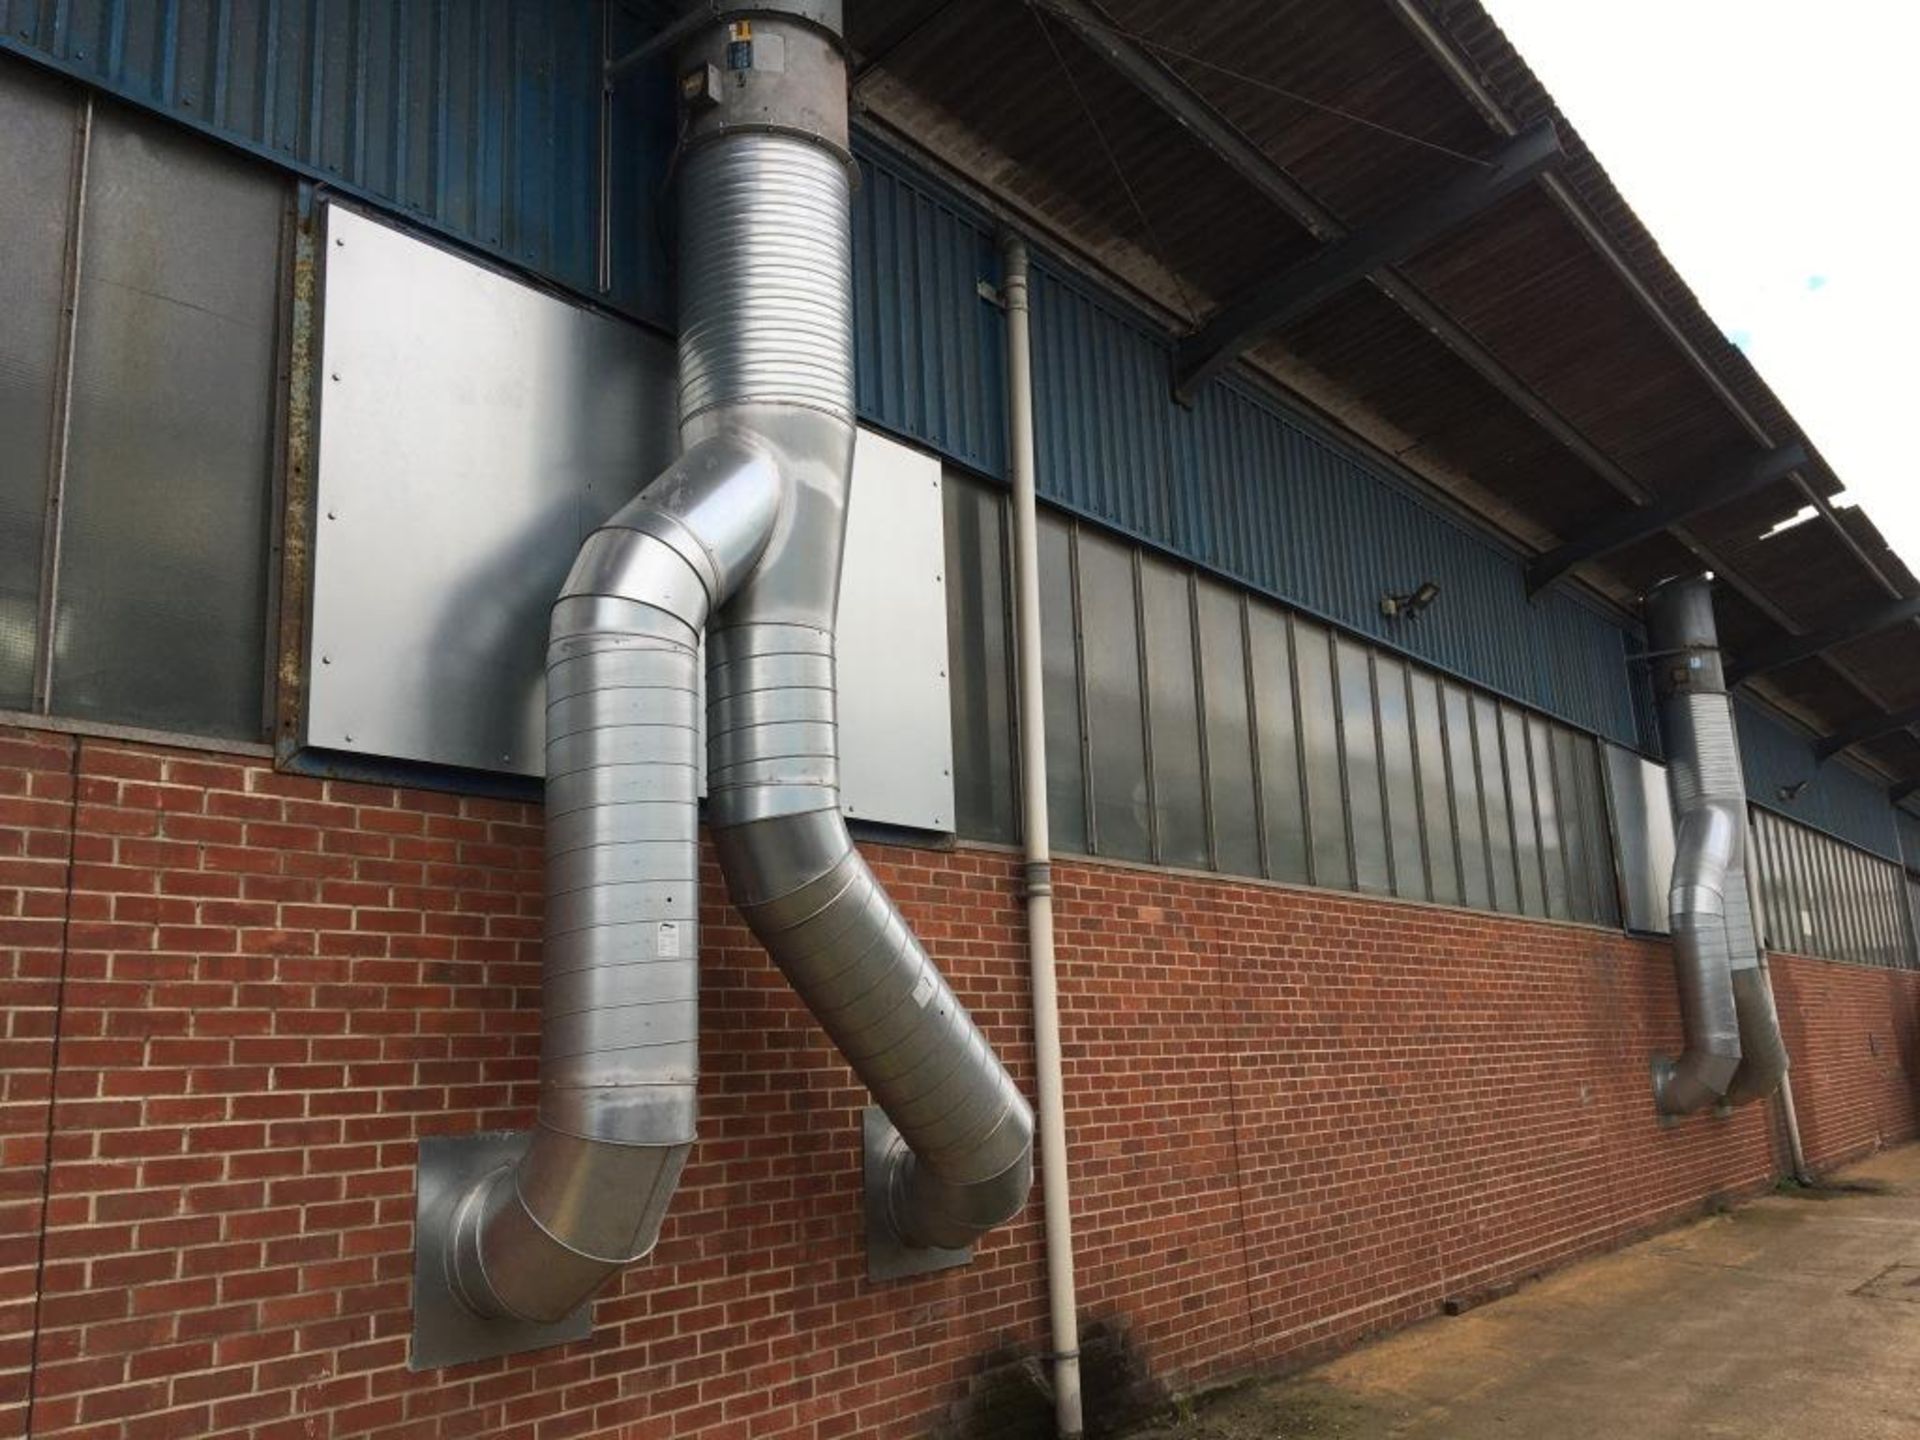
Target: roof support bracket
1310,284
1622,530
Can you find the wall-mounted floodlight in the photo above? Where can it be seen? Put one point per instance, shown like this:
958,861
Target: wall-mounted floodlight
1410,604
1791,792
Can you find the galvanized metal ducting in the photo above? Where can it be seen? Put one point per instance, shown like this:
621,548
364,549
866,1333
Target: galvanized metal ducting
741,539
1733,1050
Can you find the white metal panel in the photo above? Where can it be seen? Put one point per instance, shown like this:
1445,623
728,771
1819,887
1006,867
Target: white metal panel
1642,837
896,730
472,431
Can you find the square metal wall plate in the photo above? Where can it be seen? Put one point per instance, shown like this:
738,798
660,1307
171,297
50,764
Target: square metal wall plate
445,1332
887,1258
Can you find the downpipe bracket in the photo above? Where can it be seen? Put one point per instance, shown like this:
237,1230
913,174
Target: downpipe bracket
445,1331
888,1256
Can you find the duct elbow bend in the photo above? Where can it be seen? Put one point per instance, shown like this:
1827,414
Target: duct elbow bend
962,1161
1706,844
1763,1051
620,983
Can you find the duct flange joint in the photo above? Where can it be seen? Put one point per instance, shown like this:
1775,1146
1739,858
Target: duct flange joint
445,1331
1660,1069
888,1258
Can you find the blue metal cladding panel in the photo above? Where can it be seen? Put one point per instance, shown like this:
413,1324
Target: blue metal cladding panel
1909,826
1837,799
477,118
1102,417
1268,499
929,352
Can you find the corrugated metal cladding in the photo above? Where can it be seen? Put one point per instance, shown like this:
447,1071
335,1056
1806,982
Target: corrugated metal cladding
476,118
929,351
1270,501
1837,799
1236,484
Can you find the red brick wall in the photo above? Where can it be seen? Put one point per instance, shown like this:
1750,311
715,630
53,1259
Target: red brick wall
1854,1035
36,814
1295,1117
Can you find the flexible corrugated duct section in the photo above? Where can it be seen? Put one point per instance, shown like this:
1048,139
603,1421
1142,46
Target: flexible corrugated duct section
739,540
1734,1050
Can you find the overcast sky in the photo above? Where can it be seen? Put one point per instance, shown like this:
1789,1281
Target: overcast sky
1770,146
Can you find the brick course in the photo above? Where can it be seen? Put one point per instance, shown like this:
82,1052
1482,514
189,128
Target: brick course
1296,1117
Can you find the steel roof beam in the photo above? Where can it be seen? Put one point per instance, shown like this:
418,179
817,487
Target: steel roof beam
1899,793
1522,396
1789,649
1206,124
1623,530
1316,280
1212,130
1870,728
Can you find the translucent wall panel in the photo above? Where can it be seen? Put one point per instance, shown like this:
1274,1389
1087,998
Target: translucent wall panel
1436,803
37,152
1283,810
1493,803
1774,903
1598,818
1828,931
1806,936
1060,657
1469,806
1580,864
1234,807
980,660
1399,781
1116,745
1179,789
1523,808
163,591
1547,808
1320,744
1823,897
1360,745
1219,731
1912,953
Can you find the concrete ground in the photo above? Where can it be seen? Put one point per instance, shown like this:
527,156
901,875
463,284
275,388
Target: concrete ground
1794,1316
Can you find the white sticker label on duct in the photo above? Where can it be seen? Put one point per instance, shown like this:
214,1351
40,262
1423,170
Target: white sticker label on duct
669,946
923,992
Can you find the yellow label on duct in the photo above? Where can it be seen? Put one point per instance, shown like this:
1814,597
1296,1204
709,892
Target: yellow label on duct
740,30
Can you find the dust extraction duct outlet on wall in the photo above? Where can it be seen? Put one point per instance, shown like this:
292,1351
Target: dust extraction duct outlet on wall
1733,1052
740,540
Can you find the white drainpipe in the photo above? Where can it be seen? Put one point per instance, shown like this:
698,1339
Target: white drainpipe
1039,868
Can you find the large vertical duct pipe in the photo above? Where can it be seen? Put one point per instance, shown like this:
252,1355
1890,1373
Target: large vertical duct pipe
1733,1048
741,540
